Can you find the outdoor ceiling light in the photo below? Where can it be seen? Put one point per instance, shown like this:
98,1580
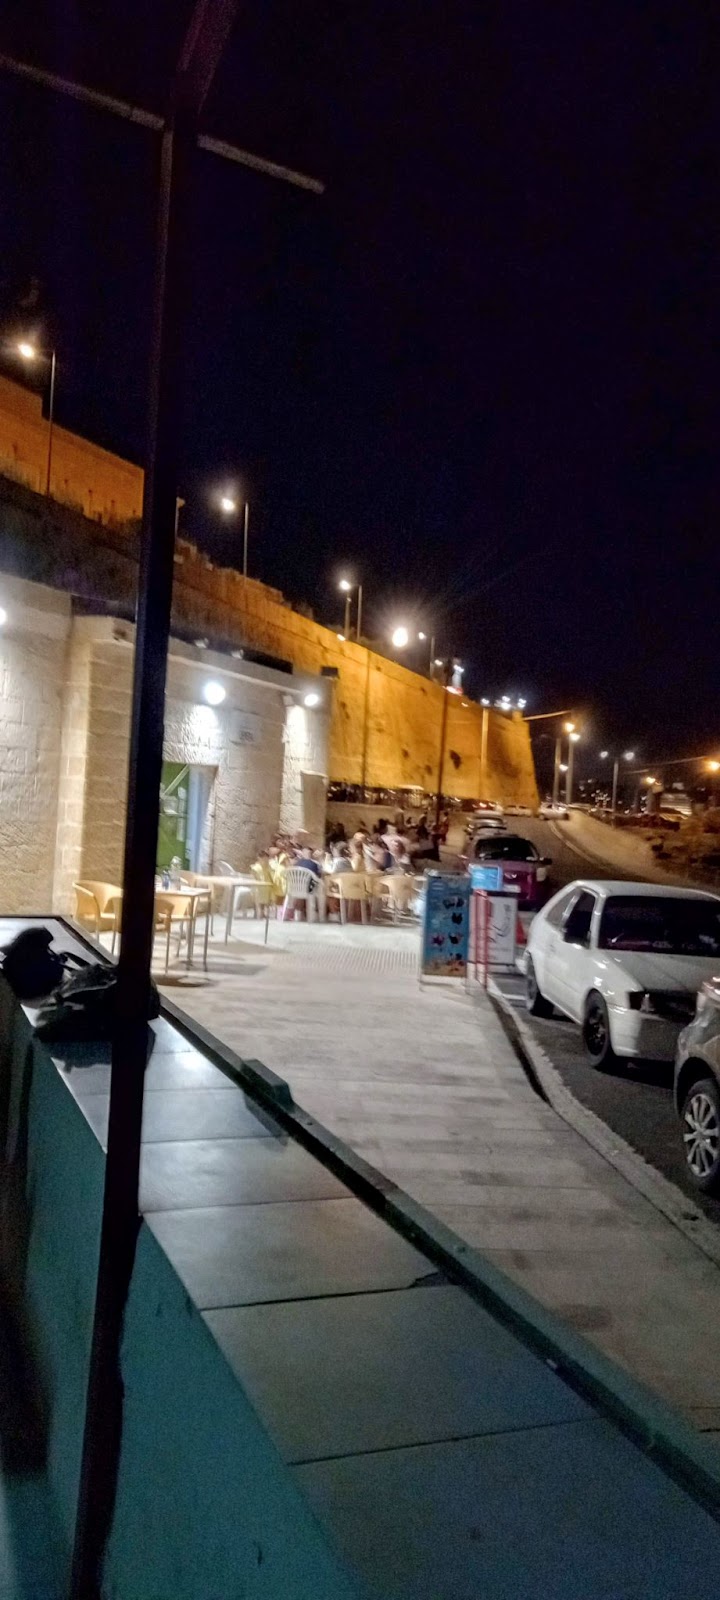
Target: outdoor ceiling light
311,699
213,693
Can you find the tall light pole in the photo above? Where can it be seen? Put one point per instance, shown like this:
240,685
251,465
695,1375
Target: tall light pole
228,505
246,519
573,738
347,588
713,768
628,755
556,770
29,352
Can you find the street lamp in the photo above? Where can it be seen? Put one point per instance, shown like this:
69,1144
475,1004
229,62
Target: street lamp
228,505
29,352
713,767
400,638
628,755
573,739
346,588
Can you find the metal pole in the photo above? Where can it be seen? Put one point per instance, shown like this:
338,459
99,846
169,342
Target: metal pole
366,720
616,774
358,630
209,27
346,628
443,738
569,773
51,417
432,655
246,515
556,770
483,752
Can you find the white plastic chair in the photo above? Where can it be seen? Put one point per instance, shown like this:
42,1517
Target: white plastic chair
300,884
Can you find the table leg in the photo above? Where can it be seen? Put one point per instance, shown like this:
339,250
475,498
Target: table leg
232,891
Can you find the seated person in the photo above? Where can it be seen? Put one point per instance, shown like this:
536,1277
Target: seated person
340,859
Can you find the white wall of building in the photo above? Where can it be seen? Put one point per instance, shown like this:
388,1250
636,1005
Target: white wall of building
65,698
33,646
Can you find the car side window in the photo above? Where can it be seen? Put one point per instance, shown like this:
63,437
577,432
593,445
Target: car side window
579,919
556,914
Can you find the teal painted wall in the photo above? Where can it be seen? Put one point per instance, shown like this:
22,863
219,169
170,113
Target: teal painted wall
206,1509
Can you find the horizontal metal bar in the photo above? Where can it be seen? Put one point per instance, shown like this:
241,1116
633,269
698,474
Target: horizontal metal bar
149,119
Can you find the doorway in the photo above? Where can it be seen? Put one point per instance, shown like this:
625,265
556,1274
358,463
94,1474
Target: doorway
184,825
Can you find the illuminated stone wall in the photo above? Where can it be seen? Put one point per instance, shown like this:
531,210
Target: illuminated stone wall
385,727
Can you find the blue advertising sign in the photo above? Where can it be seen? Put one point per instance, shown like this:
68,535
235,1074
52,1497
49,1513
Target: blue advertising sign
446,926
482,877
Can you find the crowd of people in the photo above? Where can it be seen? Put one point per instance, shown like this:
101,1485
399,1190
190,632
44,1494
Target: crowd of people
399,845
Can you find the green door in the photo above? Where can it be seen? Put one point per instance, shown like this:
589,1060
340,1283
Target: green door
172,828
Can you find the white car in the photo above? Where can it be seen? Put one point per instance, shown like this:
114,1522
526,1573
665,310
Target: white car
625,960
519,811
553,810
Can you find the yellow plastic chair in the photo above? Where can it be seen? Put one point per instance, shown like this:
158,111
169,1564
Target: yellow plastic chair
349,888
97,905
397,890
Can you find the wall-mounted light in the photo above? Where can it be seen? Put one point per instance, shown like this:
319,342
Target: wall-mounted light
311,699
238,655
201,644
3,616
213,693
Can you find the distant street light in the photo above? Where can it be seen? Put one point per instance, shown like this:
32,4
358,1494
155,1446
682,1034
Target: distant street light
400,638
229,505
346,588
628,755
30,352
573,738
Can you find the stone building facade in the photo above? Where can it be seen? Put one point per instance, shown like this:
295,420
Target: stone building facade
386,720
65,687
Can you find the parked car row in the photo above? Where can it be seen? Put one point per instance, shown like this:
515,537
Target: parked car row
637,966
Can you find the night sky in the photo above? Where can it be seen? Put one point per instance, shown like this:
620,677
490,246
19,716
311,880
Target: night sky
482,370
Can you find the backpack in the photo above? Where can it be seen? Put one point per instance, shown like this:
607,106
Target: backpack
32,969
83,1007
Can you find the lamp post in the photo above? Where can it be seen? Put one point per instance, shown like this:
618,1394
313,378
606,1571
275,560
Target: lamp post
29,352
346,588
713,768
573,738
628,755
228,506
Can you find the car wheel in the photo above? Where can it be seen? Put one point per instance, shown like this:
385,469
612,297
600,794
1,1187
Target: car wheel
700,1118
596,1032
536,1003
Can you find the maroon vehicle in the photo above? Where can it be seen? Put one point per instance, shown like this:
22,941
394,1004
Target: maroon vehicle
520,863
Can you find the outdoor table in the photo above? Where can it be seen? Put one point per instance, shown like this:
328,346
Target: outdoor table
244,881
195,894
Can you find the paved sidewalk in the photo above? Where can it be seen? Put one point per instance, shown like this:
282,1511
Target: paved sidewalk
426,1086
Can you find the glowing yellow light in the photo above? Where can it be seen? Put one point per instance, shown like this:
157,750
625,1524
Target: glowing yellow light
227,504
713,766
27,350
569,727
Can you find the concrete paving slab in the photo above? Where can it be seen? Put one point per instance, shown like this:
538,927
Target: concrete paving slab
185,1114
237,1255
427,1087
230,1172
559,1513
386,1370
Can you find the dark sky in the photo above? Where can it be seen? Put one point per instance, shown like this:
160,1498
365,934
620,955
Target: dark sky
482,370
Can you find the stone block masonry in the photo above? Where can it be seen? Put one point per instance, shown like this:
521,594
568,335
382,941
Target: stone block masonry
385,727
33,646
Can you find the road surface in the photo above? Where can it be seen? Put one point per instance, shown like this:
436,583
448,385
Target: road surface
635,1099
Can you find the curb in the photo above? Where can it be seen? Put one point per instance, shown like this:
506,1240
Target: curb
665,1196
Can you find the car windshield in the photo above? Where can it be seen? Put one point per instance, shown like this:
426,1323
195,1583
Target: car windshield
507,848
668,925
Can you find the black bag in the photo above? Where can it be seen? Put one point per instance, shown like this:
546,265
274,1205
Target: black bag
83,1008
32,969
